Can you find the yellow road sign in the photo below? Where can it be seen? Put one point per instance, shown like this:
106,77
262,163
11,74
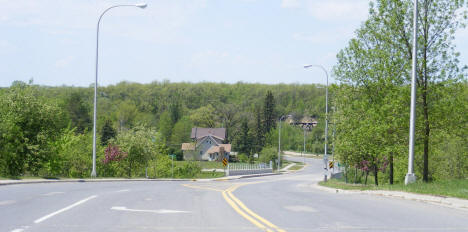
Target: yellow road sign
225,162
330,164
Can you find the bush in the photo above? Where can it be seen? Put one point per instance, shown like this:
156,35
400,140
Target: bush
243,158
72,155
188,170
269,154
160,167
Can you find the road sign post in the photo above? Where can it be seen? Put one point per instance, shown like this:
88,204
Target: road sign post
225,163
325,162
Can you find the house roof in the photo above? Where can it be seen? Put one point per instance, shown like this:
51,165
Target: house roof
188,146
213,149
308,120
198,133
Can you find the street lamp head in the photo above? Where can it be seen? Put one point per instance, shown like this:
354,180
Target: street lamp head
141,5
308,66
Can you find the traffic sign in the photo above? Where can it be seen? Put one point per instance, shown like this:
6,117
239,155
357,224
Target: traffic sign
330,164
225,162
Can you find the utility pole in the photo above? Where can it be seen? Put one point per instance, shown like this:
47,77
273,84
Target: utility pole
279,144
410,177
325,155
303,153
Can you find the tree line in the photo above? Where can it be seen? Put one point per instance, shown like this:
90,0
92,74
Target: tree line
372,101
47,131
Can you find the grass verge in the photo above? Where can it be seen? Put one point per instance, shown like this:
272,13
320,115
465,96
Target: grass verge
445,188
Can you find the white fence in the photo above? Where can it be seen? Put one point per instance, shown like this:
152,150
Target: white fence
235,169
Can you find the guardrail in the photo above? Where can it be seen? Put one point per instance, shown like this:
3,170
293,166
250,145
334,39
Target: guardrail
235,169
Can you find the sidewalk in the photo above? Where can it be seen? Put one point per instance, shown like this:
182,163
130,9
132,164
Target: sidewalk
451,202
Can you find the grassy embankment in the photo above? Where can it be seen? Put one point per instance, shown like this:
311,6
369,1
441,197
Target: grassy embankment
450,188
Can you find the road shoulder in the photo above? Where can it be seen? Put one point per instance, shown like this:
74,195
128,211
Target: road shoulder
451,202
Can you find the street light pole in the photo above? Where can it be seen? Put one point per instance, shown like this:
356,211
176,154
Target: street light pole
279,144
410,177
140,5
303,153
325,155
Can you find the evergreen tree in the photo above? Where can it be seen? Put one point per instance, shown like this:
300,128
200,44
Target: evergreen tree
244,142
269,112
259,132
107,132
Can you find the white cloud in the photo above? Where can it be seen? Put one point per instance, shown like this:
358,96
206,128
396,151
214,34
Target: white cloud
290,3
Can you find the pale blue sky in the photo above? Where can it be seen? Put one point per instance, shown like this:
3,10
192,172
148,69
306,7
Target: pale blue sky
265,41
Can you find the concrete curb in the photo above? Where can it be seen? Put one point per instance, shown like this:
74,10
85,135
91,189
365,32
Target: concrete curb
451,202
42,181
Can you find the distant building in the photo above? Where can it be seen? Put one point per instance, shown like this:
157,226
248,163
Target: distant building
207,144
305,122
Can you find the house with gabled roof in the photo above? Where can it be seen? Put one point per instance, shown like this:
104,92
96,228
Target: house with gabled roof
207,144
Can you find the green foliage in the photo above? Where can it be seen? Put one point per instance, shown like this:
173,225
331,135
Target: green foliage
160,167
204,116
373,99
292,138
141,144
28,124
188,170
244,142
269,113
181,132
243,158
269,154
78,112
72,155
165,125
107,132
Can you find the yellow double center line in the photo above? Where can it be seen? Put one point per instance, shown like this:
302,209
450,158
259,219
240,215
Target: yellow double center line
245,212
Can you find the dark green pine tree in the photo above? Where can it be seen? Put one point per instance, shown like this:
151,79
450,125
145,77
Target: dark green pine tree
269,113
259,131
107,132
244,144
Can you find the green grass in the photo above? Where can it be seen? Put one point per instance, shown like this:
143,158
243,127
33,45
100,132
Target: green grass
203,164
33,177
449,188
207,175
296,167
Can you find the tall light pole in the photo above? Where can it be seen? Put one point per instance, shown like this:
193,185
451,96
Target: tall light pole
279,144
303,153
325,155
140,5
410,177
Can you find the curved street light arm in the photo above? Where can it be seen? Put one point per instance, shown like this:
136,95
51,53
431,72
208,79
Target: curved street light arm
93,172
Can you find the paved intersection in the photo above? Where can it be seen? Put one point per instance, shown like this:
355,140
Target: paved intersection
272,203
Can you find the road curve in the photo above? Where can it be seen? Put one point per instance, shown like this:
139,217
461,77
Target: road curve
272,203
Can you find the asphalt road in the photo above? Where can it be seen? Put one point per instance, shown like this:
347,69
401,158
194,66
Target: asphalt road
274,203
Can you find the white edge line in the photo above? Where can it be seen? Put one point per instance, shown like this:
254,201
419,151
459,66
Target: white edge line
64,209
